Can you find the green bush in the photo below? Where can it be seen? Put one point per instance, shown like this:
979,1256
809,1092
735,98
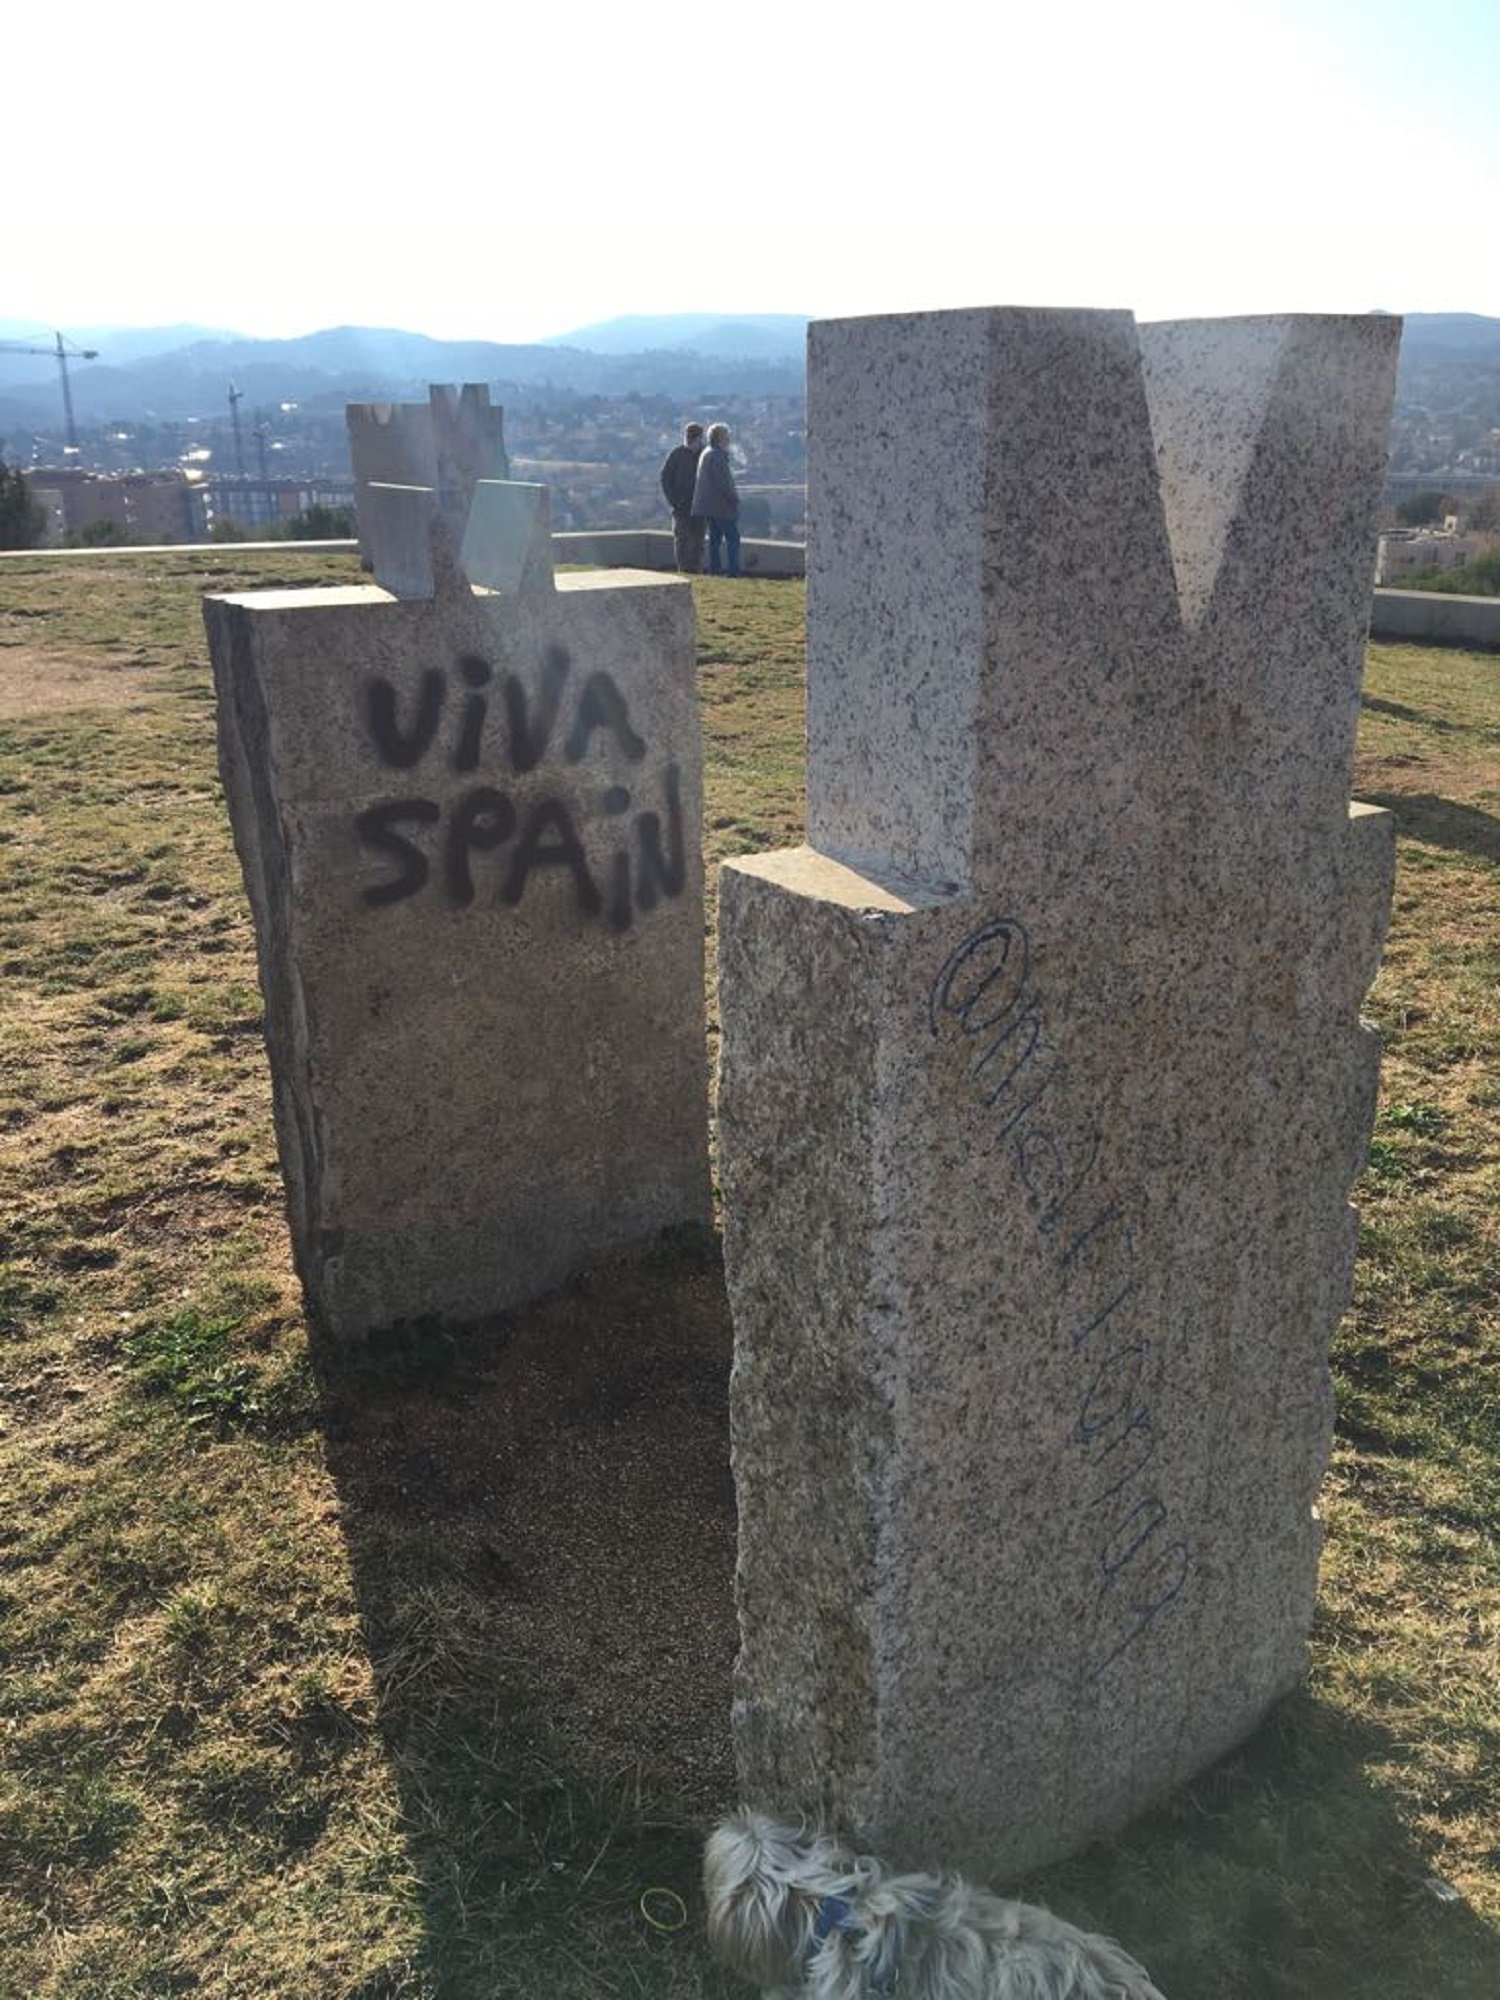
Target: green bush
1479,578
23,521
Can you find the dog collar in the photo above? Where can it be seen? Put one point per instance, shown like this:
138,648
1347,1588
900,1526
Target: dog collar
833,1915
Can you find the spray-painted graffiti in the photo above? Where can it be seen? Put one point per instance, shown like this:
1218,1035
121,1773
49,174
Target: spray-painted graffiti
983,994
492,838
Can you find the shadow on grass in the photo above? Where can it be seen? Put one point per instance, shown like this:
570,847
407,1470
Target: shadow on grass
541,1522
1441,823
1399,712
1283,1873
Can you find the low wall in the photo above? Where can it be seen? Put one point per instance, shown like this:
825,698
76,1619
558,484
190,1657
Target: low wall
651,548
614,548
1438,616
114,551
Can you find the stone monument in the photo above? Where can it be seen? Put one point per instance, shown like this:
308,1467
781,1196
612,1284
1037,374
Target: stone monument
449,443
467,799
1043,1082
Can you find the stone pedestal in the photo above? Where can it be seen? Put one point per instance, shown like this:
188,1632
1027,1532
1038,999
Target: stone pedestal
469,820
1043,1083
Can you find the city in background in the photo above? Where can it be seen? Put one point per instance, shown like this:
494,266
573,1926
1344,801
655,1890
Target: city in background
226,438
186,480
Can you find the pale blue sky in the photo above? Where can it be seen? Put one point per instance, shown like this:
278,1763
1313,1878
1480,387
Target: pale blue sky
516,173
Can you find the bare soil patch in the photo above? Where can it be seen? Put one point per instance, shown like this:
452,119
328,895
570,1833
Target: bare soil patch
569,1472
33,682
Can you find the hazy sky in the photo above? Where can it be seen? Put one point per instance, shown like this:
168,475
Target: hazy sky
513,172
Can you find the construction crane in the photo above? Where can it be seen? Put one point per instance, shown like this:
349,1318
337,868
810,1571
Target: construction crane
62,350
236,396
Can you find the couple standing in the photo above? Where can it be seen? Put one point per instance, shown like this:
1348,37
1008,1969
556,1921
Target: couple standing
698,481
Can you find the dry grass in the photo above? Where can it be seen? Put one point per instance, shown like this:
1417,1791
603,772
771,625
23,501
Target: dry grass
408,1683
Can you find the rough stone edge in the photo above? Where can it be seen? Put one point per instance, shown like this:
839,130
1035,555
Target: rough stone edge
799,1401
244,732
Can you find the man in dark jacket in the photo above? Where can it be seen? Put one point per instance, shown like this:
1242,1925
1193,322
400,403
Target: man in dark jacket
679,473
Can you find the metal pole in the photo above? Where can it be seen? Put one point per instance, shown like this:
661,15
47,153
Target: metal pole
62,363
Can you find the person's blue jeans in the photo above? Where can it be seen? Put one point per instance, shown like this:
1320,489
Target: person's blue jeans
726,534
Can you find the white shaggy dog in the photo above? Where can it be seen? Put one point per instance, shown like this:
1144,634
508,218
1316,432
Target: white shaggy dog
805,1917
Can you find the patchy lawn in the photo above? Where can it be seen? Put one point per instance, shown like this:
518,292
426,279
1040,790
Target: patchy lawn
410,1681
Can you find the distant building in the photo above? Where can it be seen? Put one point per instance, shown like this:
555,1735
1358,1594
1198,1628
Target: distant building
1403,551
146,506
257,503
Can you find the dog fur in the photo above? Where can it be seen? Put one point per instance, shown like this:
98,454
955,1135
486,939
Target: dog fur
809,1920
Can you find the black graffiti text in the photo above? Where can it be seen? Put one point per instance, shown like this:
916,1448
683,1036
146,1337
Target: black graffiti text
521,724
982,994
487,842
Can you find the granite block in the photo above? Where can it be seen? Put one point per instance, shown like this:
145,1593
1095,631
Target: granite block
470,831
1042,1079
449,443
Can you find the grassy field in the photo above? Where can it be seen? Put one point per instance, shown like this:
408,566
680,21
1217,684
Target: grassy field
410,1682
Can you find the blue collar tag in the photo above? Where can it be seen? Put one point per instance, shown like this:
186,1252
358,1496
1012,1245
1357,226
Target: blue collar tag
833,1915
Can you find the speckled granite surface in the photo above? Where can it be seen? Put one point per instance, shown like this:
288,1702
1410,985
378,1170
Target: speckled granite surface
446,444
470,831
1043,1083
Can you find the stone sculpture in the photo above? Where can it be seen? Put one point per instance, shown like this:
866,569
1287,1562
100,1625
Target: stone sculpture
468,807
1043,1083
449,443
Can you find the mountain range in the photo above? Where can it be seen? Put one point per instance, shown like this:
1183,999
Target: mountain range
186,371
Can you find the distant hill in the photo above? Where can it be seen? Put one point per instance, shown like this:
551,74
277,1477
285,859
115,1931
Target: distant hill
746,336
122,343
186,372
1442,351
1445,431
1459,333
1450,363
1447,357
